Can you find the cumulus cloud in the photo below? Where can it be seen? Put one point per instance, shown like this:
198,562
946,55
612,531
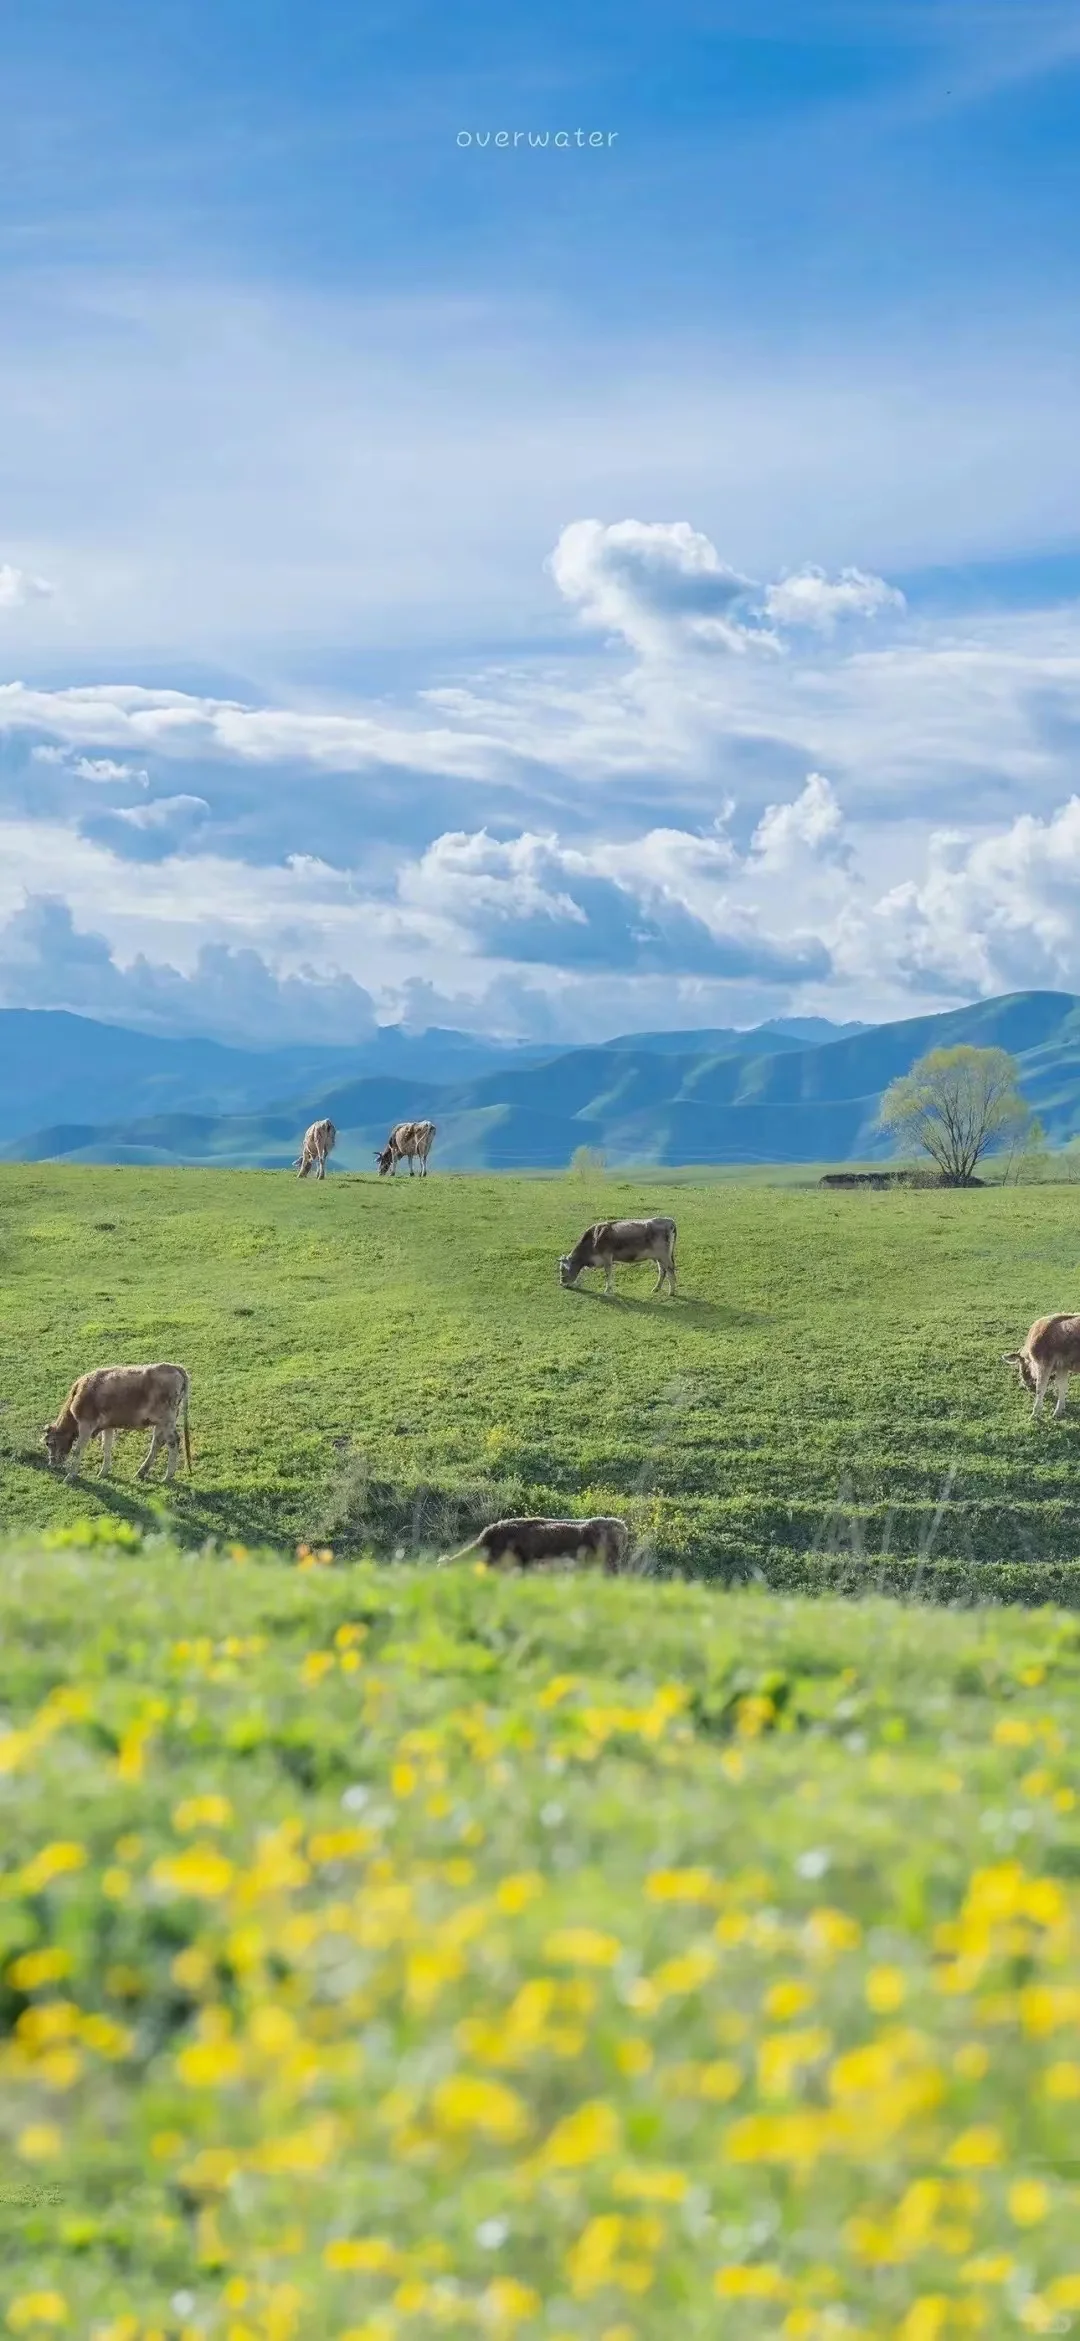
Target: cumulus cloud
232,994
812,823
656,904
808,597
662,586
659,584
995,914
18,588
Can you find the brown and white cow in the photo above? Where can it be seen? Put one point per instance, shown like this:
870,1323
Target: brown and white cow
408,1142
122,1398
529,1542
319,1141
1051,1352
623,1240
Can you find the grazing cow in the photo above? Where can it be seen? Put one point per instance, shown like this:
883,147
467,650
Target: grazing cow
1051,1352
319,1141
624,1240
529,1542
122,1398
408,1141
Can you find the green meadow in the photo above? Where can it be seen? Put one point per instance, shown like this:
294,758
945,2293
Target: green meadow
382,1365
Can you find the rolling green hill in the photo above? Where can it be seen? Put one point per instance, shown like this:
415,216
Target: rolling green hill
750,1099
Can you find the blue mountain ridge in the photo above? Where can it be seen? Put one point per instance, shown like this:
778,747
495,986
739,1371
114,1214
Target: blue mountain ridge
711,1098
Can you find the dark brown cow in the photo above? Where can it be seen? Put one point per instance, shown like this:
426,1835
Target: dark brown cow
1051,1352
623,1240
408,1142
319,1141
122,1398
529,1542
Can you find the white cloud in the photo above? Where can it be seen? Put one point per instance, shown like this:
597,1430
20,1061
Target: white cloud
995,914
231,993
811,824
807,597
661,585
100,769
18,587
180,723
163,813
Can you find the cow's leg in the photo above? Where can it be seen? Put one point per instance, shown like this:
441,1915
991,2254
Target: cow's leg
661,1276
107,1438
78,1451
609,1278
1043,1379
155,1442
172,1458
1061,1390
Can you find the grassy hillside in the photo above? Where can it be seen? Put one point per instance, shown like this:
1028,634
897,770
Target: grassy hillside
391,1953
706,1097
391,1363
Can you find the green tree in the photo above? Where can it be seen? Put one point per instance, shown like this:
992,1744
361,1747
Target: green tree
955,1105
588,1161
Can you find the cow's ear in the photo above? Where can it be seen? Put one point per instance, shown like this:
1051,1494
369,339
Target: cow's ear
1011,1357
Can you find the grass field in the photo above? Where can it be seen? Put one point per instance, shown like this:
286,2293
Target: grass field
385,1365
393,1952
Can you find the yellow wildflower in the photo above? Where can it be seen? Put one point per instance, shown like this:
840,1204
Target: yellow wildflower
202,1871
750,2283
988,2268
584,2136
633,2056
37,1967
1063,2293
582,1946
53,1861
680,1886
829,1932
40,2142
589,2261
979,2148
651,2186
37,2308
1029,2202
202,1812
1061,2082
514,1894
506,2303
787,1999
367,2254
465,2102
926,2319
885,1989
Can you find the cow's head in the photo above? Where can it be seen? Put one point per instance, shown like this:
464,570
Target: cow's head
1020,1359
58,1439
568,1274
384,1157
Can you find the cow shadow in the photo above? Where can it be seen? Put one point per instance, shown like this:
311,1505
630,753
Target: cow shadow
182,1509
690,1310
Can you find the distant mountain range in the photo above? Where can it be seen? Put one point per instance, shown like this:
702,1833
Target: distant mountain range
793,1090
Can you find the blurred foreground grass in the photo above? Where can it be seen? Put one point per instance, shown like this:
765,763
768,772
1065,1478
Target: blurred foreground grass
389,1952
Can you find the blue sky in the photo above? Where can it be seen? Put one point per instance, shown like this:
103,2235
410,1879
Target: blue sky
538,589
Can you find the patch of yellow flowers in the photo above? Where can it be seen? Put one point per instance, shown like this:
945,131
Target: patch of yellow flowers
370,2079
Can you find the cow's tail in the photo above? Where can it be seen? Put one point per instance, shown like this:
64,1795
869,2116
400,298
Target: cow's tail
187,1429
464,1549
